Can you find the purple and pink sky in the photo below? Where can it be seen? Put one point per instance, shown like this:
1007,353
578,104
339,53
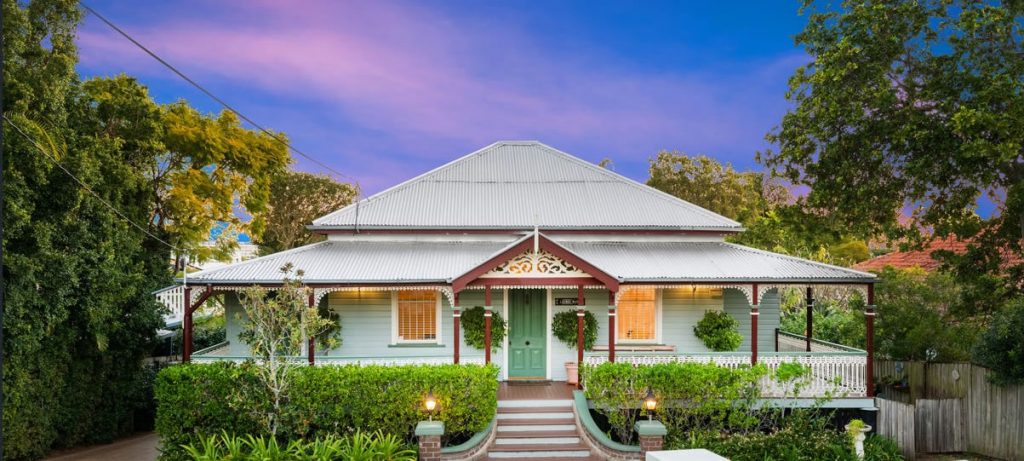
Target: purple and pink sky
383,91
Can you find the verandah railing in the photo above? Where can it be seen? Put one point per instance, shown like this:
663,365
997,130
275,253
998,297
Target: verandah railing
220,353
835,374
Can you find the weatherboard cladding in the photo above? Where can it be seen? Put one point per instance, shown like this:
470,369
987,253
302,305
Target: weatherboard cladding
520,184
418,261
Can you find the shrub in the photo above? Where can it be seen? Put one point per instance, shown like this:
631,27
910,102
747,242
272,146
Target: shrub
197,400
1001,347
564,327
718,331
473,328
694,397
358,447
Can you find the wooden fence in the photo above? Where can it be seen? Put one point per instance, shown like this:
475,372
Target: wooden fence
950,407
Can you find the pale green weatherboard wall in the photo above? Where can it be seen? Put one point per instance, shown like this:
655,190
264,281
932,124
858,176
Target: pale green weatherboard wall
366,326
366,323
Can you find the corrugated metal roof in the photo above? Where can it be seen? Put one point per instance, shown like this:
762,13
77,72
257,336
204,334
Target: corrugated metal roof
520,184
419,261
360,262
705,261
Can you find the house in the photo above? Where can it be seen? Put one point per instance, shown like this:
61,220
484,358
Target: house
924,258
528,231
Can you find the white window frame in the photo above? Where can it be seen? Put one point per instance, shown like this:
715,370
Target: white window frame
657,323
395,340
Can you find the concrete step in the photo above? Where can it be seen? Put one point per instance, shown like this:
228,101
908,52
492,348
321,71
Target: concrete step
539,450
565,431
534,415
531,426
536,403
560,409
501,441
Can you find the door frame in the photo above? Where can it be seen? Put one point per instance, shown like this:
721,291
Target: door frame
547,333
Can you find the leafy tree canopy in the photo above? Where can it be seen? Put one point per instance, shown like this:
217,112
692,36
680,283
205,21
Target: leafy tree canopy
203,170
912,106
296,199
774,219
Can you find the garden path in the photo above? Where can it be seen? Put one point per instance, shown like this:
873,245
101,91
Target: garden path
141,447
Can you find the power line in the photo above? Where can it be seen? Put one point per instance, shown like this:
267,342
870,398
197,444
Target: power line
84,185
211,95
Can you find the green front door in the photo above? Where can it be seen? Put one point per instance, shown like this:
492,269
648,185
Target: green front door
527,311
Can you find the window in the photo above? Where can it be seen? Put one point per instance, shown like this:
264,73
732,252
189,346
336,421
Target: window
638,315
416,316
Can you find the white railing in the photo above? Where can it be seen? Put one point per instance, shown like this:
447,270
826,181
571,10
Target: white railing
838,374
172,297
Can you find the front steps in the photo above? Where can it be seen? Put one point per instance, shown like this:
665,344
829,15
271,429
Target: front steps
537,430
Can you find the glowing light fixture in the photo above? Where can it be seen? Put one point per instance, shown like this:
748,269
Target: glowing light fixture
650,403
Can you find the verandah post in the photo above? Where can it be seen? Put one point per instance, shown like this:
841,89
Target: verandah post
186,325
611,326
311,347
754,314
810,317
487,324
869,319
580,304
456,339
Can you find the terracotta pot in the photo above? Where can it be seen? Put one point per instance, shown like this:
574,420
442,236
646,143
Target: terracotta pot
572,373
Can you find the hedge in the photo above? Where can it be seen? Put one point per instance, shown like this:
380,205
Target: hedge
202,400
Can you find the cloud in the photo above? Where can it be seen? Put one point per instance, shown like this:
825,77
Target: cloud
425,79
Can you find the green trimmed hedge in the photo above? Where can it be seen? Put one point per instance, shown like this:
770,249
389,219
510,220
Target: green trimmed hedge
201,400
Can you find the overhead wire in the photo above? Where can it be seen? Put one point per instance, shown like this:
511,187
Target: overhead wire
209,93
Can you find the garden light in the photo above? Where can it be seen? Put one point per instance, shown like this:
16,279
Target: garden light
650,403
430,403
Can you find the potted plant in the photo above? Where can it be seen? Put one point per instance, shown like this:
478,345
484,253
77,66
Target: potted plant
564,327
857,430
473,328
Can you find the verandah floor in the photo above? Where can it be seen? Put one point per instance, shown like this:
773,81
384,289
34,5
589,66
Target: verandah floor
550,390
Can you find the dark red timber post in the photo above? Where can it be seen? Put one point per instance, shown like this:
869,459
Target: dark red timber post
186,321
311,347
456,316
869,318
581,303
487,324
754,314
186,325
810,317
611,326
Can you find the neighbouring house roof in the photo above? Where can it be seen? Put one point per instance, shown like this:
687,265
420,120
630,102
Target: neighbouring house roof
520,185
441,262
923,258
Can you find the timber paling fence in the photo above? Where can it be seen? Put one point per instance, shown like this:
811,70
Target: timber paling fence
948,408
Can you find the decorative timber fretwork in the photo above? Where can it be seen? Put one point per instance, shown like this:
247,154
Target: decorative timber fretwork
540,263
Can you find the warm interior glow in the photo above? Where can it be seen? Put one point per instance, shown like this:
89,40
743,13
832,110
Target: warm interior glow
417,315
650,402
637,314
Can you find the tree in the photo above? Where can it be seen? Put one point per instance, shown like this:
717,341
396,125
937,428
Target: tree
1001,347
78,315
774,219
705,182
296,199
276,327
203,171
913,106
